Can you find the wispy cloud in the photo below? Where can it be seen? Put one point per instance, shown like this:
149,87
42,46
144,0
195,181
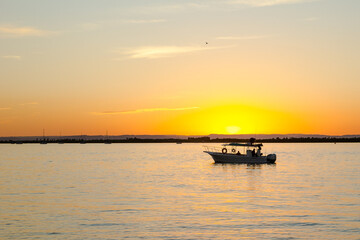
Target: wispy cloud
265,3
14,32
4,108
145,110
241,37
162,51
12,57
153,52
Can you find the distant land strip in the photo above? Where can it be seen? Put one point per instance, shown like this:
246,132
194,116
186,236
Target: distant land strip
212,138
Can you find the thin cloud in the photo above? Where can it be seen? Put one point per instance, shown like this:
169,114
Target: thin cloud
162,51
12,57
266,3
154,52
14,32
241,37
4,108
143,111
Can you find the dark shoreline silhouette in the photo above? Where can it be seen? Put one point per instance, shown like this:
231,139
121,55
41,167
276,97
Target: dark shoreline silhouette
205,139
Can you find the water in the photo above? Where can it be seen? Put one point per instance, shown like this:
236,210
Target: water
172,191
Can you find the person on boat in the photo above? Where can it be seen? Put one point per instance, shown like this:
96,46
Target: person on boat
253,153
238,153
258,152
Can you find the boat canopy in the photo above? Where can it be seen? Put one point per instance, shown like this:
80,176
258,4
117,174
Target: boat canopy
243,144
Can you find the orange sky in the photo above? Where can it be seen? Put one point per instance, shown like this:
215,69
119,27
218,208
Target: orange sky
145,68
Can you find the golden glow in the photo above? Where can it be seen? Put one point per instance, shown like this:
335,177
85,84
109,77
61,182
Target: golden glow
226,119
203,120
232,129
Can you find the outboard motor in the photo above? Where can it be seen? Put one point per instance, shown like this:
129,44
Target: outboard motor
271,158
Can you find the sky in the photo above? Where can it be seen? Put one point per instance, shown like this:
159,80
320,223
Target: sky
189,67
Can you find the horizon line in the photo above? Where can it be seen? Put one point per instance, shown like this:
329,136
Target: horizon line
188,135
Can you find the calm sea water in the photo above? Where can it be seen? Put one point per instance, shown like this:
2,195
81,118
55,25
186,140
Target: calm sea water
172,191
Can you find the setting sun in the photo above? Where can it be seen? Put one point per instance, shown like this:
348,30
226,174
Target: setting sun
232,129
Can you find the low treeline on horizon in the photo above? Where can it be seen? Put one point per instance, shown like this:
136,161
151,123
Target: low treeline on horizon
221,138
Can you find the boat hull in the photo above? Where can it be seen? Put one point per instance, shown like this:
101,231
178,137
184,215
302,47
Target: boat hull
233,158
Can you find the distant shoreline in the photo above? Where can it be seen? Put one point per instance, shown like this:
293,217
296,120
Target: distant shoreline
179,141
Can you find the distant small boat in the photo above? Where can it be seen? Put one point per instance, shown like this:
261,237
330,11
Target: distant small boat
249,153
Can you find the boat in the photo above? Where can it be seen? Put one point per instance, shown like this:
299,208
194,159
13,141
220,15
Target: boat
249,153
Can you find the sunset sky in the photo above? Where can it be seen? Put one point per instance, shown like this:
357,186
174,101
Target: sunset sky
188,67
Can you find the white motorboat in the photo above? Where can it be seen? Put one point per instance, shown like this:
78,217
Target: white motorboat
240,153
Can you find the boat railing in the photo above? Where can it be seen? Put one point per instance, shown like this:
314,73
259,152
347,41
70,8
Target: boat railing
213,149
232,150
220,149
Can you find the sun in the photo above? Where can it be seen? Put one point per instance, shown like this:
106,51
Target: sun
232,129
